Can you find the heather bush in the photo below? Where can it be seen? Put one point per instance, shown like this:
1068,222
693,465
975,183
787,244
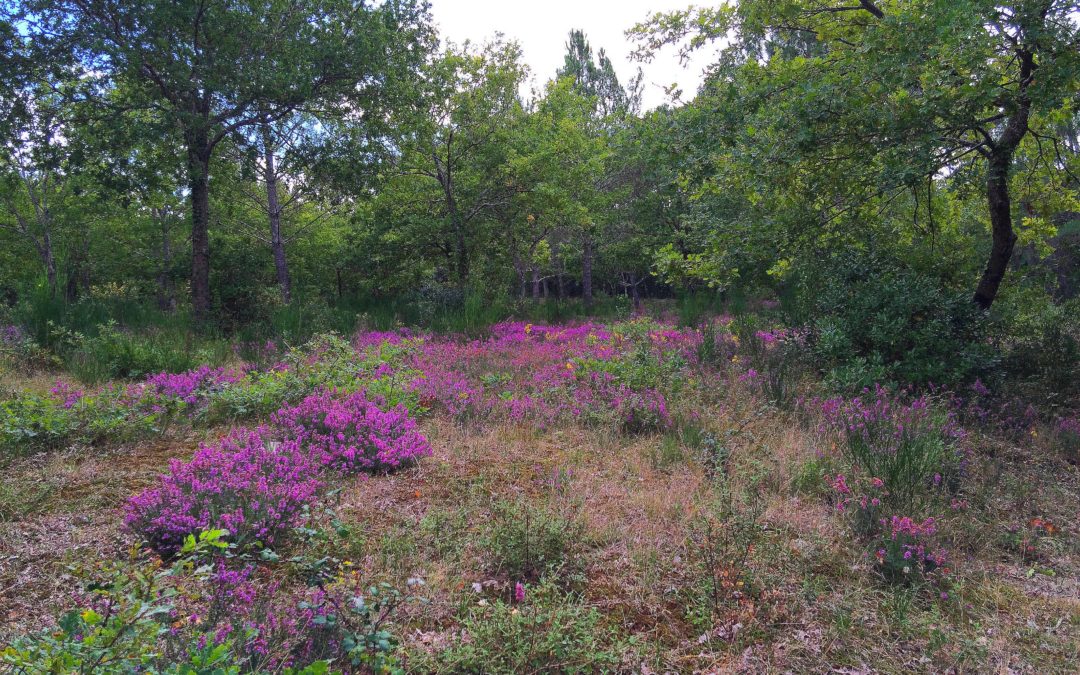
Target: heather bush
905,550
351,434
909,444
245,484
526,542
1068,439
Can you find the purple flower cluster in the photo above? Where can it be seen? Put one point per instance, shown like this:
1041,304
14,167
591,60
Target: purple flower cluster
352,434
191,386
66,394
11,336
246,484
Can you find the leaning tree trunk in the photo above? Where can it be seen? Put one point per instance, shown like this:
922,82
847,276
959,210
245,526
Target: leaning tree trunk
999,160
1001,228
199,185
273,209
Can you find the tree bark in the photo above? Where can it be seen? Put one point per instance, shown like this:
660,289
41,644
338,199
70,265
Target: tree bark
199,185
535,284
999,160
1001,228
49,259
273,210
586,271
166,284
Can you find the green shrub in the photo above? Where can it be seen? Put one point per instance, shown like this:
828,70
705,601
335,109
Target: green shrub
31,423
548,632
117,353
526,542
875,321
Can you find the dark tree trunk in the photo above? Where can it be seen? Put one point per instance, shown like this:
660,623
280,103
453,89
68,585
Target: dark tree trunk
166,283
586,271
199,185
1001,228
49,259
535,284
999,160
273,210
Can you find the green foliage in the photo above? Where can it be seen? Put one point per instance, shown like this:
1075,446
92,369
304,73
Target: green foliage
875,322
30,423
552,631
115,353
526,542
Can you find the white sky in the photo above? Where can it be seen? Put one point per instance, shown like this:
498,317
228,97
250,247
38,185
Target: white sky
541,27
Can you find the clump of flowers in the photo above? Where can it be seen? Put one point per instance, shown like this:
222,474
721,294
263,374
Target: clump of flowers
352,434
904,549
642,411
189,387
909,445
1068,436
907,551
253,488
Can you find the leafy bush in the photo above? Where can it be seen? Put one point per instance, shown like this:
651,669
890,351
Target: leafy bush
117,353
547,631
526,542
30,422
873,320
254,489
351,433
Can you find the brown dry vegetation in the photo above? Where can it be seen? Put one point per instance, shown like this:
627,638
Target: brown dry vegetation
804,599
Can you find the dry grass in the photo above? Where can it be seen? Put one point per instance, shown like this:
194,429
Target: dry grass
811,604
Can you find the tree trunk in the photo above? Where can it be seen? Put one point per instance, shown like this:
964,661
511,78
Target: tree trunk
586,271
535,284
999,159
273,210
49,258
199,184
635,293
1004,239
166,284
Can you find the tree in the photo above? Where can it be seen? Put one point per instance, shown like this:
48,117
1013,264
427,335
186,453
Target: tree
214,68
612,107
825,110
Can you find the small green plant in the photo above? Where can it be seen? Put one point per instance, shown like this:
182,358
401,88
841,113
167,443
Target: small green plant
527,542
719,546
545,631
30,423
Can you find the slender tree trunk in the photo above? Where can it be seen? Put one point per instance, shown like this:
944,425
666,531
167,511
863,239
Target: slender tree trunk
999,160
49,259
586,271
635,293
273,209
535,284
199,185
166,284
519,270
1001,228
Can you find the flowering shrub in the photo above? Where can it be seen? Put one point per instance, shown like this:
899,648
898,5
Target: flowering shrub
909,445
254,489
352,434
190,387
905,550
1068,438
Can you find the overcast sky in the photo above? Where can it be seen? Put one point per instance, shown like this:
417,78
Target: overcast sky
541,28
